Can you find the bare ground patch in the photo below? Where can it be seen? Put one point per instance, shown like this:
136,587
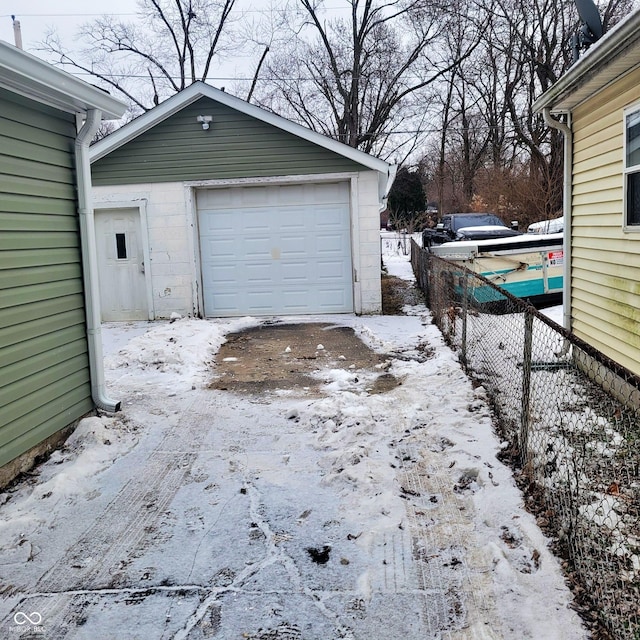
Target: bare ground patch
397,293
284,356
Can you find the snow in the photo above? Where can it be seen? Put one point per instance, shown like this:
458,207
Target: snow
192,510
554,313
554,225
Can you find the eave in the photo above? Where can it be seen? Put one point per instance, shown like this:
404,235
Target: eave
34,78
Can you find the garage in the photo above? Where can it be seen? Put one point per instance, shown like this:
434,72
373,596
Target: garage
251,215
276,249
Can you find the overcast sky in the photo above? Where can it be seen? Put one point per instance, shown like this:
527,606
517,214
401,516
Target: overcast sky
66,16
36,16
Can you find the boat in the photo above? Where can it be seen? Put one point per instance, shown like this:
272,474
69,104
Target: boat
528,266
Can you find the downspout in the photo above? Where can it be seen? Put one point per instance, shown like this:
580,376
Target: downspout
90,262
566,211
384,185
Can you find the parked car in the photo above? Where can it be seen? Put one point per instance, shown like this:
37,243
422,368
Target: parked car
555,225
468,226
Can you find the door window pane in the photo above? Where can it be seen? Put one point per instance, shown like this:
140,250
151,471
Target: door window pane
121,246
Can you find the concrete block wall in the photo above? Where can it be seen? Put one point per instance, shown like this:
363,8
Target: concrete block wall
172,243
170,249
369,229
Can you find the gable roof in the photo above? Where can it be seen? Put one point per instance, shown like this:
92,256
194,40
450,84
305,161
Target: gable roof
200,89
613,56
34,78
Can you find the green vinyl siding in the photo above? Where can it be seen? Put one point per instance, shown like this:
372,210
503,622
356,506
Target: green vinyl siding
235,146
44,369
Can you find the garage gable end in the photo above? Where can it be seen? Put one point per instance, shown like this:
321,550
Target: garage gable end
232,145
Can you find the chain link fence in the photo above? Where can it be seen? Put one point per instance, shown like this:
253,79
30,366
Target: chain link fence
570,418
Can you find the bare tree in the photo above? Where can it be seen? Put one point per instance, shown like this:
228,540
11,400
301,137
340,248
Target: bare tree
363,79
533,41
493,150
173,44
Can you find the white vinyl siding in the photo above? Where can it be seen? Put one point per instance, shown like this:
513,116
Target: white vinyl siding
605,296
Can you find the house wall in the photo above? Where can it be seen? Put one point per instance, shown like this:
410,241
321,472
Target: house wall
235,146
44,369
605,295
173,244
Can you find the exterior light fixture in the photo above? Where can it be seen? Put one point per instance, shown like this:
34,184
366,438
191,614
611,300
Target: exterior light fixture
205,121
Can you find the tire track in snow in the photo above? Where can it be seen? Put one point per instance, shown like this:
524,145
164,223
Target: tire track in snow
94,561
442,533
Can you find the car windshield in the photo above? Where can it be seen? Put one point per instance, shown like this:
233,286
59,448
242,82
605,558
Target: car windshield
477,220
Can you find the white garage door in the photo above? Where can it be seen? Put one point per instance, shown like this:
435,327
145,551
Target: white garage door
276,249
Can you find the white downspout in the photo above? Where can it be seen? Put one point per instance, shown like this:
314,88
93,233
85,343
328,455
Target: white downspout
566,210
90,262
384,185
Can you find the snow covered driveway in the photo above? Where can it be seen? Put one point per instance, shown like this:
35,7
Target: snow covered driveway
200,513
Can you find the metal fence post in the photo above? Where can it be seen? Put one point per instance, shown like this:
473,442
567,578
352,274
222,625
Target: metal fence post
525,417
465,313
424,275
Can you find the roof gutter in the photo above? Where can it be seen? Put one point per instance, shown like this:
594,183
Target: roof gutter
566,209
30,76
90,262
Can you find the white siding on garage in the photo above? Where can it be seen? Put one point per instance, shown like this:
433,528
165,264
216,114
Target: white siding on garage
276,249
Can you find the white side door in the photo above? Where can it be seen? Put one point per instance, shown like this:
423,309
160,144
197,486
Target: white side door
123,294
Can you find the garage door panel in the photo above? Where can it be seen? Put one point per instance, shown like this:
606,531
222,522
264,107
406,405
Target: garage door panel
224,278
246,197
329,216
330,243
260,301
253,249
294,272
276,249
224,223
295,225
330,299
292,195
294,247
257,220
295,300
258,273
224,248
328,269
